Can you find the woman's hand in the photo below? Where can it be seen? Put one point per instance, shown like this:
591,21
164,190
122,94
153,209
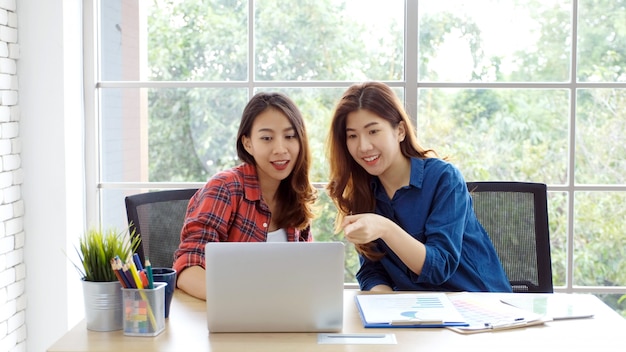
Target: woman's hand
365,228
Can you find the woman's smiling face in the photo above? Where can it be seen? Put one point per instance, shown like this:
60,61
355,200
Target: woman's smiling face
373,142
274,145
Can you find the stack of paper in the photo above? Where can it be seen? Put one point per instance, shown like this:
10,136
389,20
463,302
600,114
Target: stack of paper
487,313
462,312
408,310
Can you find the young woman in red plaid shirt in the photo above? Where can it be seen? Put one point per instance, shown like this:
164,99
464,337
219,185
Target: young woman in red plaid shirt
266,198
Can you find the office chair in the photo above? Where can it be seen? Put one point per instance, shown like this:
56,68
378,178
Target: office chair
515,215
157,218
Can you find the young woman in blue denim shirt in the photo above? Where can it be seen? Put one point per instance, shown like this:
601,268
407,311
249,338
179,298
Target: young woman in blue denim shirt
408,212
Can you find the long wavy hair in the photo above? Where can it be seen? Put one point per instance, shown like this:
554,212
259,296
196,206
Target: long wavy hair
295,195
349,185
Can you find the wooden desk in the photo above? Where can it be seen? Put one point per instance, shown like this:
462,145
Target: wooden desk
186,330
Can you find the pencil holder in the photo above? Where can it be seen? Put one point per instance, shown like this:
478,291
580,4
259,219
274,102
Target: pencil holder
144,310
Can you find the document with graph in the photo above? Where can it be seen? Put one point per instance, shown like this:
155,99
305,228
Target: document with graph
484,312
420,310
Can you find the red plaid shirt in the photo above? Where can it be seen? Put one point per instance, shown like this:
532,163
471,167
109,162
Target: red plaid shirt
227,209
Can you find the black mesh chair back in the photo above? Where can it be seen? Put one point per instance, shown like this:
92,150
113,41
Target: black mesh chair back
157,218
515,215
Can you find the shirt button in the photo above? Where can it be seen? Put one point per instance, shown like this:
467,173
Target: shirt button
264,224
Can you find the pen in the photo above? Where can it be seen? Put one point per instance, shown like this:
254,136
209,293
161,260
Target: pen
514,322
357,336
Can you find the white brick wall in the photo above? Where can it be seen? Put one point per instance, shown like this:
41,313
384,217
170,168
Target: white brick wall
12,267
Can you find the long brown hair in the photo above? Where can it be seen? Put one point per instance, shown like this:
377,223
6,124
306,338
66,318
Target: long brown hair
349,185
295,194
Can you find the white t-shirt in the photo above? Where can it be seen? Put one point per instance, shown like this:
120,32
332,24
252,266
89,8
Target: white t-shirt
279,235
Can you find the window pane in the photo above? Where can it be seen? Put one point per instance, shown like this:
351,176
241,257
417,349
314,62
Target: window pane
329,40
169,135
601,41
176,40
614,301
600,126
120,48
505,134
122,127
599,239
188,134
494,41
323,231
557,218
114,207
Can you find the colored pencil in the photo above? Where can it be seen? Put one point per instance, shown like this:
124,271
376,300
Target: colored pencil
133,271
118,273
129,276
144,279
150,275
137,262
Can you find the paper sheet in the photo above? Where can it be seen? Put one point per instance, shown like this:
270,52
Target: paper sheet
408,309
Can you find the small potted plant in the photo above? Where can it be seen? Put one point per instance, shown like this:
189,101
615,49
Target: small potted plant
101,288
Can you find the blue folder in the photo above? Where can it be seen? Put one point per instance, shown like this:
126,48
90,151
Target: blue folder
404,309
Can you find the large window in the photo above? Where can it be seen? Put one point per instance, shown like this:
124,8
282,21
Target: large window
509,90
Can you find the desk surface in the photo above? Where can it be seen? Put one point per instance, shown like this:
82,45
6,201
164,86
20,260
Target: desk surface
186,330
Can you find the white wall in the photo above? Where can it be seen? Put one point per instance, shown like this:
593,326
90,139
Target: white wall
12,268
51,128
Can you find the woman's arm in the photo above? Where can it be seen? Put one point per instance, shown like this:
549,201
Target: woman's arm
381,288
372,274
207,220
193,281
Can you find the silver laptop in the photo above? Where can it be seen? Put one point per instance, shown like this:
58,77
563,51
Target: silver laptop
274,286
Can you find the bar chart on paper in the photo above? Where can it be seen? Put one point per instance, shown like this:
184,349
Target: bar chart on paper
408,310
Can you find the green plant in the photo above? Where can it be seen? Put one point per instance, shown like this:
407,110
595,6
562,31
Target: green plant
97,247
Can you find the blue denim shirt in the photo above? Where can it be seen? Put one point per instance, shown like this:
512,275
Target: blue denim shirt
436,209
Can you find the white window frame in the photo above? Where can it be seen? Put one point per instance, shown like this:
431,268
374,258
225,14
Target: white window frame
411,85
